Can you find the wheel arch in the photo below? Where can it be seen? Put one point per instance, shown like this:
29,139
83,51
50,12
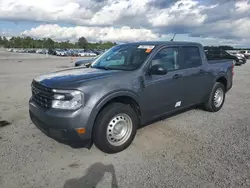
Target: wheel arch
125,97
222,78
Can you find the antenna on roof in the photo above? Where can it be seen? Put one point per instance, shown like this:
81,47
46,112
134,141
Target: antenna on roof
173,37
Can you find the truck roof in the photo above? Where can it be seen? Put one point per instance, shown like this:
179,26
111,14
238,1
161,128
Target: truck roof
164,42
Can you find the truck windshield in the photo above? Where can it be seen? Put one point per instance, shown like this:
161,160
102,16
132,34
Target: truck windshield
123,57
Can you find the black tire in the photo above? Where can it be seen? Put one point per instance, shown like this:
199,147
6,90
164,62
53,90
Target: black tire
210,104
102,122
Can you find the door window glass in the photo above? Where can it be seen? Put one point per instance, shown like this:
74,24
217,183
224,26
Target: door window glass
168,58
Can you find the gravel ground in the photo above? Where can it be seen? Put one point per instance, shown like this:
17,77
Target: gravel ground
191,149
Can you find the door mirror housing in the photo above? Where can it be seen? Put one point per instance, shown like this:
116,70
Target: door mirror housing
157,70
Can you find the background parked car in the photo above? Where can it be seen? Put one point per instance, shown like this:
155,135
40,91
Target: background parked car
222,54
52,52
246,53
236,53
86,53
60,51
84,62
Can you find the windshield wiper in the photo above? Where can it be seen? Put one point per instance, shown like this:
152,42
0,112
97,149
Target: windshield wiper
100,67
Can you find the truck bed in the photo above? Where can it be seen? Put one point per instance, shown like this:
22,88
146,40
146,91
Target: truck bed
215,61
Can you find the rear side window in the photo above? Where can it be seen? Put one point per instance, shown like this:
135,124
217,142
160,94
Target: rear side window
216,52
191,56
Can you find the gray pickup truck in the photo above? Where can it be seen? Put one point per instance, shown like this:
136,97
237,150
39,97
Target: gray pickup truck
127,86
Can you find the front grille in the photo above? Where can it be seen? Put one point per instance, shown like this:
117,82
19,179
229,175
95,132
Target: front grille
42,95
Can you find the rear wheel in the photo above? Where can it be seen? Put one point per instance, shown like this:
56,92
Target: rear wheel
115,128
216,99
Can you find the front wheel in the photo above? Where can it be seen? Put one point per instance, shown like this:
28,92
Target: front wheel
115,128
216,99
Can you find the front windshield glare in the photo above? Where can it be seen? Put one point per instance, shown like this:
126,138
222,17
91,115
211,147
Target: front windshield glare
123,57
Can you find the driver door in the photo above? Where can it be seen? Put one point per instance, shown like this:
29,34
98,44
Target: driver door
164,93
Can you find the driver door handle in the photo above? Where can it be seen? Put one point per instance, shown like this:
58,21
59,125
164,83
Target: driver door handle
177,76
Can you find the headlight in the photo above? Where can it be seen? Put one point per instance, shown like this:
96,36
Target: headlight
67,100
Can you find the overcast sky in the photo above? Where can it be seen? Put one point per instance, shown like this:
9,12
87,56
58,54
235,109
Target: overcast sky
211,22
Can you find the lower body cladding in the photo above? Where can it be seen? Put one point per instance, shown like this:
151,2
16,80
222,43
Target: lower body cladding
63,126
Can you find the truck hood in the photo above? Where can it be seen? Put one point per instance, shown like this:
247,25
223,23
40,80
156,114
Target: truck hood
70,76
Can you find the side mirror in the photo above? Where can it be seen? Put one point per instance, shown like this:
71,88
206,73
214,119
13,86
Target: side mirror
158,70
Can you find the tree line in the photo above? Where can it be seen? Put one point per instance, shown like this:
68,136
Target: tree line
29,42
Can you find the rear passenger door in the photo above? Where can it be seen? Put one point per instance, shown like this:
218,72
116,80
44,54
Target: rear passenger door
197,78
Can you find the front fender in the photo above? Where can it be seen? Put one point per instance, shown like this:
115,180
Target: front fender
113,95
104,100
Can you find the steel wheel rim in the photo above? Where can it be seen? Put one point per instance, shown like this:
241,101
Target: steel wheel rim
119,129
218,97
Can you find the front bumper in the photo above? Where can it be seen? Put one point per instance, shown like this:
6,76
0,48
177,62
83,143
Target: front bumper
61,125
242,61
